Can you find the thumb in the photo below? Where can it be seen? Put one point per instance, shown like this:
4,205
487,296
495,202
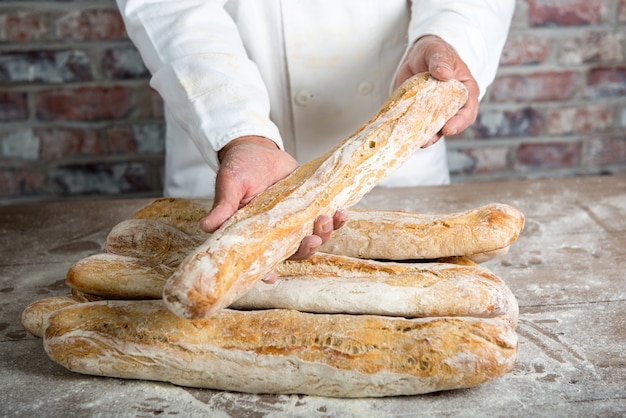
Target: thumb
226,203
220,213
440,66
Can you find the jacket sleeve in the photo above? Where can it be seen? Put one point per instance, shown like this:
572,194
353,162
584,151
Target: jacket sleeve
201,70
476,29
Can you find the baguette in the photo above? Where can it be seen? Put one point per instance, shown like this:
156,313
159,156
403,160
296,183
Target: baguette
327,284
115,276
390,289
280,351
35,314
151,240
248,246
183,214
481,233
398,235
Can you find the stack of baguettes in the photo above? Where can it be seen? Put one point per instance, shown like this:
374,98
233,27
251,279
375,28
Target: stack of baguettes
167,302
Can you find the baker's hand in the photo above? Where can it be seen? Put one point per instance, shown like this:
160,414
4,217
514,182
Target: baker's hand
432,54
248,166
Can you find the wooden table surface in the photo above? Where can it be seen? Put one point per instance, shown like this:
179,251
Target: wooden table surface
566,270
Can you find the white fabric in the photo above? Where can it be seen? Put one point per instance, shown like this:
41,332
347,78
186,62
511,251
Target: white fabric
303,73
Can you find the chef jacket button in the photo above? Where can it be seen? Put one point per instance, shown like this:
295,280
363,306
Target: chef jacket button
364,88
303,98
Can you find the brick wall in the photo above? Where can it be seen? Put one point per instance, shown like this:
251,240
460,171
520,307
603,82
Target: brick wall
78,119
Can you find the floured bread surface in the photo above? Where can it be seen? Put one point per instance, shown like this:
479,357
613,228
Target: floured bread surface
36,313
481,233
269,229
280,351
398,235
184,214
326,283
118,277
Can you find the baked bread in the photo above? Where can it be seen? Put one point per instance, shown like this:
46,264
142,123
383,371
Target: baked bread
399,235
248,246
280,351
480,233
115,276
35,314
327,283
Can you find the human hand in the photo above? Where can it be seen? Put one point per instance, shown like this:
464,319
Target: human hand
432,54
248,166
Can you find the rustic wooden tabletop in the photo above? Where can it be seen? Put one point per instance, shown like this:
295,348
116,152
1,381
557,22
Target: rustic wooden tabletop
566,270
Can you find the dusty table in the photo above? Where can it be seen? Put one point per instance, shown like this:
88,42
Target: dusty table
566,270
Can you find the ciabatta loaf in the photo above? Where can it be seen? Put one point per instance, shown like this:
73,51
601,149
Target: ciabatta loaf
280,351
248,246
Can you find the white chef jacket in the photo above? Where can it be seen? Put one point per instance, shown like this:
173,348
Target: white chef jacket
304,73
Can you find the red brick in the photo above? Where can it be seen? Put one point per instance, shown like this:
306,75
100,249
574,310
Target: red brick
506,123
606,82
146,138
84,103
120,140
592,47
123,63
91,25
21,182
592,118
22,27
60,143
543,86
102,178
478,160
13,106
525,49
621,14
606,151
47,66
564,12
548,155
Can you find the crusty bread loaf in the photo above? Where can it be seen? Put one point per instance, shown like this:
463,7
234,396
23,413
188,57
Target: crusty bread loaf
280,351
327,284
269,229
481,233
151,240
35,314
183,214
398,235
391,289
115,276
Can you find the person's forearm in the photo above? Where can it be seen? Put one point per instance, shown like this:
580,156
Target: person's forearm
200,68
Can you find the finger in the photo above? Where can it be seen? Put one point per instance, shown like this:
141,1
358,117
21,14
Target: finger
216,217
271,278
340,218
323,227
307,248
225,204
441,65
464,118
433,139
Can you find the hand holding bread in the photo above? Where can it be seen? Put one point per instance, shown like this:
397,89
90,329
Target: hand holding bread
332,325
